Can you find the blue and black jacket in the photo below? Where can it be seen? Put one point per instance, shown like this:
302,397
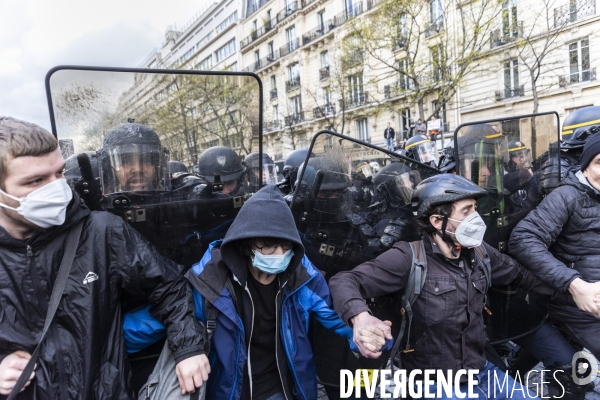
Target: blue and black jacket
220,279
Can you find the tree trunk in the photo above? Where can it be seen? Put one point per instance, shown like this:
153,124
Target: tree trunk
536,104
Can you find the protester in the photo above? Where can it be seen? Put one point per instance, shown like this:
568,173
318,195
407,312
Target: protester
389,136
421,127
84,354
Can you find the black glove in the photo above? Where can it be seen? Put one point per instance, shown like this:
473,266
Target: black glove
88,187
398,230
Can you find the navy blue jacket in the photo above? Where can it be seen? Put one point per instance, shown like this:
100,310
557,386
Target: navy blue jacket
302,291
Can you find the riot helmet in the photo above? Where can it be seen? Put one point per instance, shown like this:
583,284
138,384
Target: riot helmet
421,149
447,162
177,166
223,161
269,175
482,153
132,159
394,182
579,126
292,164
363,171
519,156
333,181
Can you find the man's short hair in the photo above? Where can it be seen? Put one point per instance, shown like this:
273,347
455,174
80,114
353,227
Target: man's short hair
19,139
423,223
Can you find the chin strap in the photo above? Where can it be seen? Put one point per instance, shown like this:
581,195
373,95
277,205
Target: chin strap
447,239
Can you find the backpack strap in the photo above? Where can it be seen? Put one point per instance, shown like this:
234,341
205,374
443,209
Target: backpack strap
212,313
483,256
416,280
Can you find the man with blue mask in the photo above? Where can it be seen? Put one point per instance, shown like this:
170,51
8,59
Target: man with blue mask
446,325
263,289
83,356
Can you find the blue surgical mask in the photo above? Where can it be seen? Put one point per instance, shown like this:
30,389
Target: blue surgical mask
272,264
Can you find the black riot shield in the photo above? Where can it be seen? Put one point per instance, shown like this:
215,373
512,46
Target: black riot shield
345,198
508,158
133,123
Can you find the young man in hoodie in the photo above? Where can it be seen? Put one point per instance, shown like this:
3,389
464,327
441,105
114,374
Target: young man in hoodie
264,288
83,355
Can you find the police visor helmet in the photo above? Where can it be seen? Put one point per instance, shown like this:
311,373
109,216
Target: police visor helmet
519,156
441,189
132,159
421,149
363,171
579,126
177,166
332,181
220,160
447,162
395,182
292,164
269,175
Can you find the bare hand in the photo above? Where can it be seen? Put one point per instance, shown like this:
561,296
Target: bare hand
370,333
192,373
10,370
585,295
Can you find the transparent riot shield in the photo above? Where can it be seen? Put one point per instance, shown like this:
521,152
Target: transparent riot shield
342,208
510,158
132,122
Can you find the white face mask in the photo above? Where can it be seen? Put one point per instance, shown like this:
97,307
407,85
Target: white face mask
45,206
469,232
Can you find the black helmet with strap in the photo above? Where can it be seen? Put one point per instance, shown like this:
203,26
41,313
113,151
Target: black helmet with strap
220,160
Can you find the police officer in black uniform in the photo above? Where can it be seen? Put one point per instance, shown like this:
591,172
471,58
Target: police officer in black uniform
223,162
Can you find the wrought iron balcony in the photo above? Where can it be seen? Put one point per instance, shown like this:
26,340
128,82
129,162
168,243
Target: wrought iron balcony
292,84
353,101
272,126
575,10
286,12
289,47
509,93
434,27
331,24
324,73
324,110
273,94
390,91
255,35
294,119
503,36
583,76
263,62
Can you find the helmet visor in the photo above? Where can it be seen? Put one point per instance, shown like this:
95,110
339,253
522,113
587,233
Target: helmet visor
133,168
365,170
425,152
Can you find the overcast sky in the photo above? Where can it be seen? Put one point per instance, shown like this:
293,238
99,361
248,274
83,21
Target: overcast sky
36,35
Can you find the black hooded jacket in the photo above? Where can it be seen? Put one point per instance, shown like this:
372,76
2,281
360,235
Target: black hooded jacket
560,240
83,355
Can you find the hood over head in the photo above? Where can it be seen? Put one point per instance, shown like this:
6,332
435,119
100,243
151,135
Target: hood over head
265,214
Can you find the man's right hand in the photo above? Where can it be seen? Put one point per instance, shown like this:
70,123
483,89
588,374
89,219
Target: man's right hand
10,370
584,294
370,334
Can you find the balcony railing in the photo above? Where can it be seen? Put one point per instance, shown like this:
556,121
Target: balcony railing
294,119
575,10
322,111
331,24
273,94
286,12
354,101
583,76
256,5
289,47
263,62
292,84
390,91
272,126
434,27
307,2
259,33
324,73
372,3
509,93
501,36
399,44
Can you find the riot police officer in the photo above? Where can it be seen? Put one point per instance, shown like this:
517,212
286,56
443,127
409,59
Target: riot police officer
269,175
223,161
421,149
291,167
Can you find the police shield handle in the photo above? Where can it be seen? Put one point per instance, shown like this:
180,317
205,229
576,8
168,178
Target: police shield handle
585,295
192,373
370,334
11,368
88,187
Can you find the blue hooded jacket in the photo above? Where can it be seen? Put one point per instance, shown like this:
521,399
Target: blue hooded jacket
303,291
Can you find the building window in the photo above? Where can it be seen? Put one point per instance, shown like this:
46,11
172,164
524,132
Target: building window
271,50
441,113
257,58
275,113
205,64
437,62
321,20
509,19
436,12
579,61
296,105
273,82
511,74
404,117
294,72
362,130
290,34
355,89
327,96
403,74
187,55
228,21
226,50
324,59
203,41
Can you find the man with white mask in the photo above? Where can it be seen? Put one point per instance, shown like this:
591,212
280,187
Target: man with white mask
83,353
446,331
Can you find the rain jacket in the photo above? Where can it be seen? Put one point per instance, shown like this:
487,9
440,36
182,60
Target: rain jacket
302,292
83,356
559,241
